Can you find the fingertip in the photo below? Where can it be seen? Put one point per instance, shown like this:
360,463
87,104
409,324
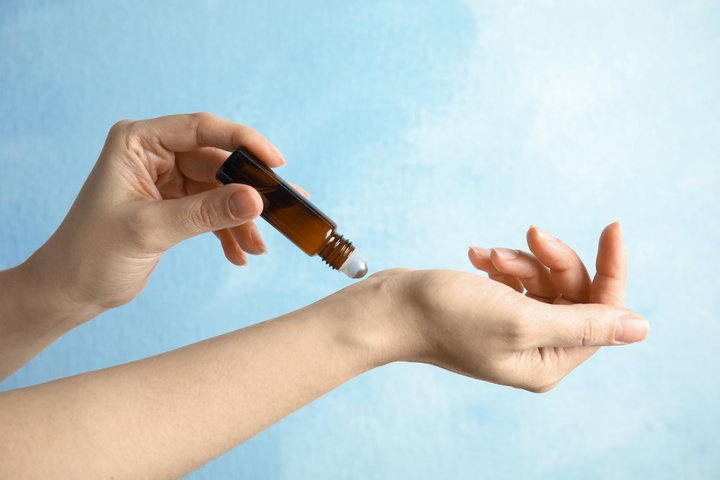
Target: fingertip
533,236
245,202
269,154
480,259
472,256
478,252
257,241
545,246
613,229
612,243
257,199
496,259
237,261
541,234
265,151
631,328
236,255
232,250
277,155
301,190
503,254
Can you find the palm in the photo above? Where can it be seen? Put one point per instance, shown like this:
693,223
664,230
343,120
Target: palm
553,273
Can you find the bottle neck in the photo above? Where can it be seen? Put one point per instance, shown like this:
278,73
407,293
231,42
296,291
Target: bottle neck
336,250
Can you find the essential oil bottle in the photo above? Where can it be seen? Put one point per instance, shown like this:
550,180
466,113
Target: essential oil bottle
292,214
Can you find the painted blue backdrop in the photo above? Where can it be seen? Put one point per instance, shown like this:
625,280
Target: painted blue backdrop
421,127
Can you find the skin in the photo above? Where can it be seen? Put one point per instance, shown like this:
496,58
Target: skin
536,318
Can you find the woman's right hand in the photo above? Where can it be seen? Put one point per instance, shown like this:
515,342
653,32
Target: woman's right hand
153,186
487,329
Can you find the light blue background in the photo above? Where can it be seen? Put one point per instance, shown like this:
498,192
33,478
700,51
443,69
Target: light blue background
421,128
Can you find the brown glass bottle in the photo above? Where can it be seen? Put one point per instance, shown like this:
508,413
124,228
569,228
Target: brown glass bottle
292,214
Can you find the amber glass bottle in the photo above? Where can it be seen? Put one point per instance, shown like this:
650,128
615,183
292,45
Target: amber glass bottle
292,214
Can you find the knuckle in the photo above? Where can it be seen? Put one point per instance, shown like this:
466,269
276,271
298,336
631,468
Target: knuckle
589,332
203,216
200,119
124,134
514,335
120,126
128,134
139,228
202,116
517,331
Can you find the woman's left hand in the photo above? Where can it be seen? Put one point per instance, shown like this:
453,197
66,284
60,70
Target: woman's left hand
554,273
486,328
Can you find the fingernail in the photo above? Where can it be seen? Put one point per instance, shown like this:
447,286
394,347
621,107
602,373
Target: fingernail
506,253
631,328
240,207
277,153
258,240
480,252
543,234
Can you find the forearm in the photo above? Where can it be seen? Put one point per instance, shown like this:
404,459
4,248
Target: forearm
33,314
165,416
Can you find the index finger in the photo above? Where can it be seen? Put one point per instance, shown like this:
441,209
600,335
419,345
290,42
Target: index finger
186,132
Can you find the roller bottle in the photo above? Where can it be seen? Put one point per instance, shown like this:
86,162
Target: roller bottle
292,214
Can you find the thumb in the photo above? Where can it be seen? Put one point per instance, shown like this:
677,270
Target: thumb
178,219
583,325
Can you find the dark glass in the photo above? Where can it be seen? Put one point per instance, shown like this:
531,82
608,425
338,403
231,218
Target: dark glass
286,209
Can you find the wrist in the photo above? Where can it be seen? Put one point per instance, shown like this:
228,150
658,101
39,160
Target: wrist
45,296
370,317
32,316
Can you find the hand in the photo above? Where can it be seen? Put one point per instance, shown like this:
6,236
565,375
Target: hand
487,329
152,187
